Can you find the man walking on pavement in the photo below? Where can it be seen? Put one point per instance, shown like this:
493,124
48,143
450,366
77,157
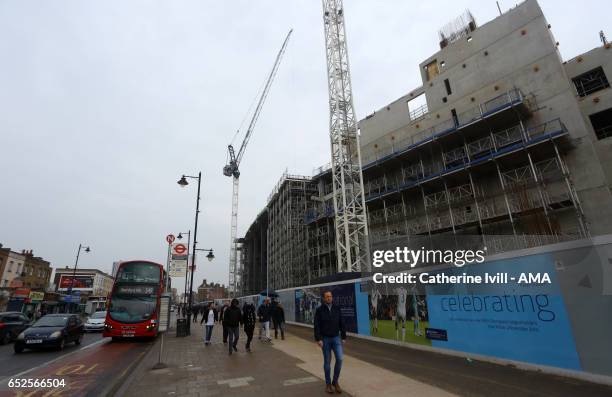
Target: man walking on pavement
208,318
278,319
330,334
232,319
249,319
195,314
264,313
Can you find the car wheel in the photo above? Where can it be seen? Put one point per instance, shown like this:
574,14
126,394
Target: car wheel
5,339
62,344
78,340
18,348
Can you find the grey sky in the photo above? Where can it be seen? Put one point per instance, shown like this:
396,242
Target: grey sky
104,104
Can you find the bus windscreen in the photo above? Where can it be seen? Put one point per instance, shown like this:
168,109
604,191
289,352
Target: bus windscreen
132,308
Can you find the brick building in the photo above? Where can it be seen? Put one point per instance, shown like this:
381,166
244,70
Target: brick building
211,291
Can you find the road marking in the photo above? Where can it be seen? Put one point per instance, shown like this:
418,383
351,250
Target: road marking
236,382
299,381
50,361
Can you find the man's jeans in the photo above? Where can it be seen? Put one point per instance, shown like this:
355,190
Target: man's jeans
279,325
232,337
209,329
265,327
332,343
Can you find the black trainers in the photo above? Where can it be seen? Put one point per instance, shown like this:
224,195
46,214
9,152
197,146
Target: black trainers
235,348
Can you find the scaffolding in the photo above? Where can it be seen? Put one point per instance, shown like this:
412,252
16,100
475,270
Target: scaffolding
287,234
492,171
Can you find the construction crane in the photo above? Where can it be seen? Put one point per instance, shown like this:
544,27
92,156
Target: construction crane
232,168
352,243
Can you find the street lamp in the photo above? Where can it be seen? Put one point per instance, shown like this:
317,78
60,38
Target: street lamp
76,262
210,256
183,182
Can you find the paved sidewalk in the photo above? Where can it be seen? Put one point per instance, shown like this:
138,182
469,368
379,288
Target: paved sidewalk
358,377
194,369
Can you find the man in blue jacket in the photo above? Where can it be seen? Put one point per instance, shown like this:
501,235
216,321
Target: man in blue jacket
330,334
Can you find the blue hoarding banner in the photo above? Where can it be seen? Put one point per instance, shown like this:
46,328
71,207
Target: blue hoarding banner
516,321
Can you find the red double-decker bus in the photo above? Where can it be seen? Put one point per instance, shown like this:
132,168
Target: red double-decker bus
133,307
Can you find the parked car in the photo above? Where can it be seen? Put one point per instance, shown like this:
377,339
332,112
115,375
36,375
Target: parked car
52,330
11,325
95,322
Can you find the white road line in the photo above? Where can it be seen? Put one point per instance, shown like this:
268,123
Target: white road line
236,382
51,361
299,381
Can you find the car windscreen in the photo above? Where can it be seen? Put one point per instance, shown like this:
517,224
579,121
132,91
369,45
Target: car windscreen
132,309
98,315
139,272
51,321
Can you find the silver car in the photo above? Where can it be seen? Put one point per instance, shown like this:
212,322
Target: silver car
95,322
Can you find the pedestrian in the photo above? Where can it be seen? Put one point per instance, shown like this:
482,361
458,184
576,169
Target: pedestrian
232,319
195,313
209,316
249,319
278,320
330,334
222,319
264,313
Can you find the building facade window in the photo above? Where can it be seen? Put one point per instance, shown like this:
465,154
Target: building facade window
602,124
592,81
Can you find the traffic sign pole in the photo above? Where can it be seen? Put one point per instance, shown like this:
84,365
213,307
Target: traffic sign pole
169,239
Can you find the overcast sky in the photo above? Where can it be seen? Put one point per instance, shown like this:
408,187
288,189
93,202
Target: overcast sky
104,104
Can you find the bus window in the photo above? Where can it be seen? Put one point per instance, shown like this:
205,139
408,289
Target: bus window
132,309
139,272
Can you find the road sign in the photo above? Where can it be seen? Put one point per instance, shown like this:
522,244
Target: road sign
178,268
179,251
170,238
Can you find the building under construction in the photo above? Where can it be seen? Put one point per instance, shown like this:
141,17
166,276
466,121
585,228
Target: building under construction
503,140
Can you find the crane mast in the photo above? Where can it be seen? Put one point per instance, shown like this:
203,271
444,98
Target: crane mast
352,243
232,168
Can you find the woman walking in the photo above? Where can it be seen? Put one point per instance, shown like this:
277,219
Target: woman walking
209,316
248,319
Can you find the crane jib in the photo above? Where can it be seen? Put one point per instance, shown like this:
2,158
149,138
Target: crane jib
231,169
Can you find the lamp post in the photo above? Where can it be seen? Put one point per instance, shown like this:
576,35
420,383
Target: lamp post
183,182
76,262
210,257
